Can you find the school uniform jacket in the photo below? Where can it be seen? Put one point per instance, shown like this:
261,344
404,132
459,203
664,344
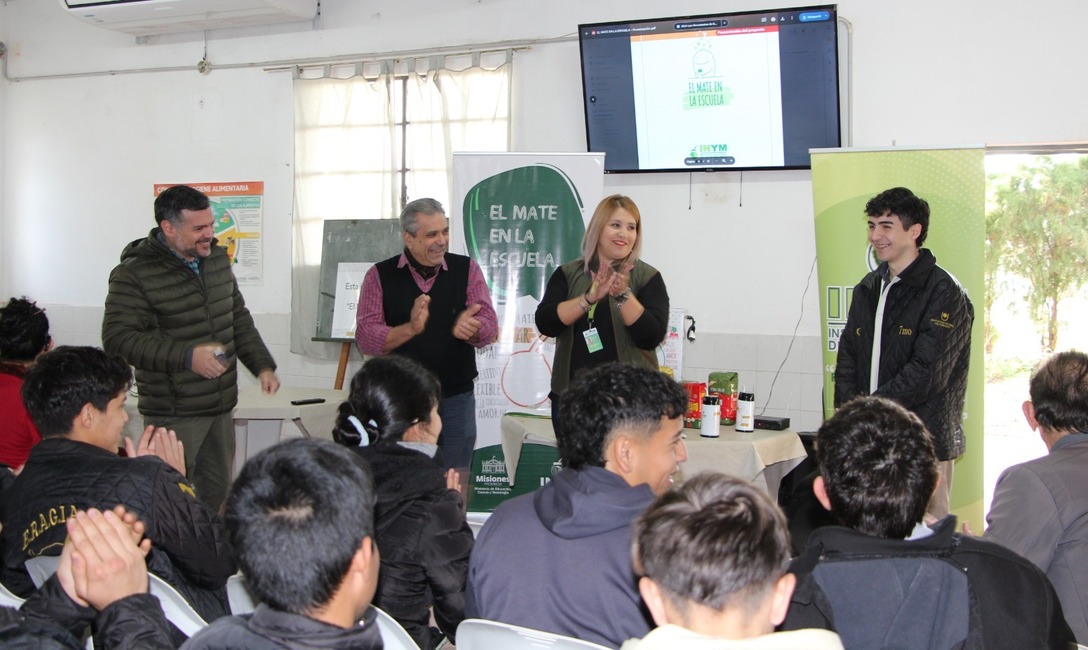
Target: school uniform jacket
61,477
925,347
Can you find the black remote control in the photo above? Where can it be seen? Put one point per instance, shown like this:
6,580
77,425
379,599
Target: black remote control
304,402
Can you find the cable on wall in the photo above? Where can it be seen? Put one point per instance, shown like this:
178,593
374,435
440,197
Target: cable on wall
800,316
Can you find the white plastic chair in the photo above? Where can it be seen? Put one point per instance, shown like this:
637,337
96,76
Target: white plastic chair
480,634
238,595
476,521
41,568
394,637
178,610
8,599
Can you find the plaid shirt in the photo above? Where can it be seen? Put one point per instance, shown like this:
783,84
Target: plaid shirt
370,326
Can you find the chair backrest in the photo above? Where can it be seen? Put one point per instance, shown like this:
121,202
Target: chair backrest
480,634
394,637
238,595
178,610
8,599
41,568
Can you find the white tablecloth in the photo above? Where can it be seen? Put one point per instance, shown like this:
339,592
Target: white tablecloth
763,457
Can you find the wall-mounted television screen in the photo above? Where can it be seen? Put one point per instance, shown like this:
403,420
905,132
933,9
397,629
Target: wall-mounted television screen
734,91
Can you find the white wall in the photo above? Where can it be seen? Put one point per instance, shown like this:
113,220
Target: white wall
3,120
79,155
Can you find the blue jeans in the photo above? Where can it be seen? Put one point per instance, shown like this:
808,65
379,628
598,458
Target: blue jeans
458,439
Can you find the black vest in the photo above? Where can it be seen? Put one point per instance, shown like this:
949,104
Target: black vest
453,360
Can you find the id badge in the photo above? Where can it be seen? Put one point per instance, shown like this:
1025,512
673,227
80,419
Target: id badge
593,340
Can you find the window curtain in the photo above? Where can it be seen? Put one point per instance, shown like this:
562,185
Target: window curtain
348,149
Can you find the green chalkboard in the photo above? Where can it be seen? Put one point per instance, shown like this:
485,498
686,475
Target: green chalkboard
350,240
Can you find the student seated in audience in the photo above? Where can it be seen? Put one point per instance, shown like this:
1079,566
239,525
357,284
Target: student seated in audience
391,419
101,580
76,397
885,579
300,517
24,335
1040,508
558,559
713,554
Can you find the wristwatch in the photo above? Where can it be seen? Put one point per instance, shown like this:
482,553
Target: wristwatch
623,297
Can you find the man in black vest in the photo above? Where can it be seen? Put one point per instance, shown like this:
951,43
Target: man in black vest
432,306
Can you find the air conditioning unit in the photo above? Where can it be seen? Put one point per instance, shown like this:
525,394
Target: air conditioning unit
151,17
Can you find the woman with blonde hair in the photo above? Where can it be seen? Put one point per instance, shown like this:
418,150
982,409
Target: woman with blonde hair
607,305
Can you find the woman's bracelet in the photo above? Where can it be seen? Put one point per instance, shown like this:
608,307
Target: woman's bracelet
622,298
584,304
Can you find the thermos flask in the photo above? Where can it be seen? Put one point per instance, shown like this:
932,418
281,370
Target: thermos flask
712,416
746,412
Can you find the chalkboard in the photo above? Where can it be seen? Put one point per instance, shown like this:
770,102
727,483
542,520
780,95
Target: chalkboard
347,241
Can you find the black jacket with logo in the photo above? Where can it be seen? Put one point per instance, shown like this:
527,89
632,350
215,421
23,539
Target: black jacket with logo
62,476
925,347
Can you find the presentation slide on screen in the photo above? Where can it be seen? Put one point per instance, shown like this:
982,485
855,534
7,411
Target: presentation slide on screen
708,98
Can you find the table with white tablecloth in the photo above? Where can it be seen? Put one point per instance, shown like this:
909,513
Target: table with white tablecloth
763,457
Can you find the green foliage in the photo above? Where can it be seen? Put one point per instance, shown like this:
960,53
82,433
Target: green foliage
1001,369
1038,230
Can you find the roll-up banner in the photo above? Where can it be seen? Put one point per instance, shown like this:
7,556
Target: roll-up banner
520,216
953,182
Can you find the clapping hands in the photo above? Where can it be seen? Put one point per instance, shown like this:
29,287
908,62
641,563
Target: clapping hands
159,442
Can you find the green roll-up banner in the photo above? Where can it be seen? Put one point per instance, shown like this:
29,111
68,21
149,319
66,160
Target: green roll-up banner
953,181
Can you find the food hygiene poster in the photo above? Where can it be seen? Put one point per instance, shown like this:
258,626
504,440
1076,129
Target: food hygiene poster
238,209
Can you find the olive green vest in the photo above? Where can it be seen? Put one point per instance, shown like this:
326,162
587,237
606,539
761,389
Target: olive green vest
578,282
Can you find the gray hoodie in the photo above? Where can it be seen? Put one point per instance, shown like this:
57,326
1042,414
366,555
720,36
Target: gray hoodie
559,559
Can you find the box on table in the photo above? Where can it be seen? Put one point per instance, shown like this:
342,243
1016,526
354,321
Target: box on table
489,484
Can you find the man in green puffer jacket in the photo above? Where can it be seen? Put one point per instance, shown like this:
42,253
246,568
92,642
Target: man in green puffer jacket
175,313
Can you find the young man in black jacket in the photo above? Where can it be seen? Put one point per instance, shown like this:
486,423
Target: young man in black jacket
76,397
301,520
908,333
885,579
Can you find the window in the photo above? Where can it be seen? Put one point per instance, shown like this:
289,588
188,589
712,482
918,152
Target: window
1036,273
369,137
